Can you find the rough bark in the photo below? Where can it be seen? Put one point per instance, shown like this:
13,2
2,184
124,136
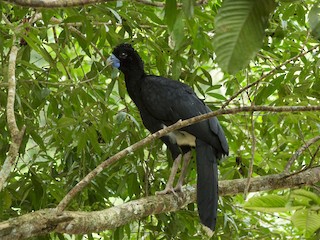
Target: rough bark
50,220
73,3
15,133
54,3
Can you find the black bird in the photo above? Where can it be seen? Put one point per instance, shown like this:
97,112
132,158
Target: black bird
162,102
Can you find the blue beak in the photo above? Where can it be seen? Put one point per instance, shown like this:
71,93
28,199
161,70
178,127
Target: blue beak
114,61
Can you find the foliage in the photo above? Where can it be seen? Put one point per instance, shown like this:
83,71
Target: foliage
239,32
304,204
77,112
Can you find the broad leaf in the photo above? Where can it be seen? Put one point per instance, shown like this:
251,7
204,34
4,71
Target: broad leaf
171,13
269,203
188,8
306,197
307,220
240,28
314,20
178,31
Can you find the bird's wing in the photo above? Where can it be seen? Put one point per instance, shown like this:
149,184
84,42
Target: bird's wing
170,101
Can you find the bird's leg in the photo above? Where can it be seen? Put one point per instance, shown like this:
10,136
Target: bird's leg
186,161
169,186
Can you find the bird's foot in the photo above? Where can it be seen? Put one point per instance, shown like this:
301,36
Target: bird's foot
178,188
167,190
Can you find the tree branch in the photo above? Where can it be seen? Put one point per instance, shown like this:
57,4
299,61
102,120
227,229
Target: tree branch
11,119
54,3
253,150
299,152
48,220
74,3
154,4
86,180
162,4
16,134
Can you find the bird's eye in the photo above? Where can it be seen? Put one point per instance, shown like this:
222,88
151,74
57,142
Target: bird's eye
123,55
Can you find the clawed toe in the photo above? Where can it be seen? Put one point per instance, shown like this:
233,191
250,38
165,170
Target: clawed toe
178,188
167,191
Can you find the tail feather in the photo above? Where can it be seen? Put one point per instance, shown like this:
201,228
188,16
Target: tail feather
207,184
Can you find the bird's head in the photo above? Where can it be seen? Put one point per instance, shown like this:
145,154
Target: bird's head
125,58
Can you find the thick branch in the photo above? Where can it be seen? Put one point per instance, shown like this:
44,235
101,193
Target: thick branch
11,119
48,220
16,135
74,3
54,3
86,180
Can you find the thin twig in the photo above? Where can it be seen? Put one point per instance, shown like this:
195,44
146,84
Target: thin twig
253,149
86,180
303,138
5,19
314,156
299,152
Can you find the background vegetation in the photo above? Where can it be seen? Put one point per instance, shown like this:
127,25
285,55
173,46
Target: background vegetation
77,113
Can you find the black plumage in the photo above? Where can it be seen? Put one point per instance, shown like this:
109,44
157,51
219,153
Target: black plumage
162,102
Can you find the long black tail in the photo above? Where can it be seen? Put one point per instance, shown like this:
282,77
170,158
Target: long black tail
207,184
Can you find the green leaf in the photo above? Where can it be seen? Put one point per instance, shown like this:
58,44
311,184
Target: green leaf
74,19
93,137
161,64
38,139
305,195
81,144
176,69
268,90
217,96
66,122
207,74
34,42
110,87
47,14
187,7
89,31
6,200
170,13
240,28
314,20
26,52
153,17
82,42
37,190
178,31
30,66
307,221
116,15
268,203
